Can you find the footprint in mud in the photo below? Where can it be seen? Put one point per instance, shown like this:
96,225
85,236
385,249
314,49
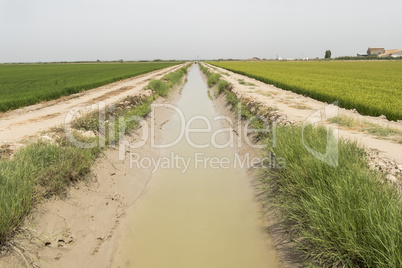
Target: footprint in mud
63,242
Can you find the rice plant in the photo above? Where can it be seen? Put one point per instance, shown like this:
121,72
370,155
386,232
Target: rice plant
372,88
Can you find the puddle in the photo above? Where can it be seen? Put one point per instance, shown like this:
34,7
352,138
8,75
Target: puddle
202,216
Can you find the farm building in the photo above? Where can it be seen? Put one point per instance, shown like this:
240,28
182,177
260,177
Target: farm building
375,51
392,53
381,52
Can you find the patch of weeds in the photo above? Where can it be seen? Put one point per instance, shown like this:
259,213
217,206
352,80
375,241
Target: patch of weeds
37,171
87,122
242,82
344,121
159,87
213,79
300,106
174,78
368,127
222,86
5,151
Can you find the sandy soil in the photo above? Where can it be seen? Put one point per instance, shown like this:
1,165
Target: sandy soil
291,107
28,122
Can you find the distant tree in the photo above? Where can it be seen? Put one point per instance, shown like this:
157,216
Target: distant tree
328,54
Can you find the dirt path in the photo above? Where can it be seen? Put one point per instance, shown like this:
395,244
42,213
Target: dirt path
27,122
292,107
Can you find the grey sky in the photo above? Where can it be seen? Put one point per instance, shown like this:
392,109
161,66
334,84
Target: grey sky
69,30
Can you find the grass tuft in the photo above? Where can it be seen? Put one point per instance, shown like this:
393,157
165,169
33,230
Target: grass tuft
159,87
36,171
342,215
213,79
223,86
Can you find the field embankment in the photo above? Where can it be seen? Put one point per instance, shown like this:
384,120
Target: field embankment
44,169
23,85
372,88
338,215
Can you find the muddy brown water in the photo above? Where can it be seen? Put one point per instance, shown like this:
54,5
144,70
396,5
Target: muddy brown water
202,214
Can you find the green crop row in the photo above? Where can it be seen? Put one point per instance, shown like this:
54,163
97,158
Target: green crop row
23,85
372,88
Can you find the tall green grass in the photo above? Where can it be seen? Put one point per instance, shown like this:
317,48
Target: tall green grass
22,85
159,87
174,78
212,78
344,215
38,170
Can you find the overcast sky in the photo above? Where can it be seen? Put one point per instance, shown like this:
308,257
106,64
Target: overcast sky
71,30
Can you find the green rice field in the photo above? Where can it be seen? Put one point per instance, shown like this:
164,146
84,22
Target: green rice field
23,85
372,88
